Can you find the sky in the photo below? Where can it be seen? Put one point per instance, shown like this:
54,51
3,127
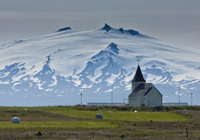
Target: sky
173,21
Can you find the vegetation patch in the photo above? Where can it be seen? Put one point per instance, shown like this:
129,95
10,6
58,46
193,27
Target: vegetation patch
56,125
78,122
120,115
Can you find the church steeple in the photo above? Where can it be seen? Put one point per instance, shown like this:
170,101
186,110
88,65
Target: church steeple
138,75
138,78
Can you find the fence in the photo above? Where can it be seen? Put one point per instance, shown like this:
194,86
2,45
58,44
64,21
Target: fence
106,104
175,104
124,104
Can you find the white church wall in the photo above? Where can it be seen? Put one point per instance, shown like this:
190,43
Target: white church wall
153,98
133,101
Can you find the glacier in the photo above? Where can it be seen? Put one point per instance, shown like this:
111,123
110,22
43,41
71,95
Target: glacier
54,69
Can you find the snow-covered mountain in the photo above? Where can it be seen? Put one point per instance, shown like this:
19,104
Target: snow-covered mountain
54,69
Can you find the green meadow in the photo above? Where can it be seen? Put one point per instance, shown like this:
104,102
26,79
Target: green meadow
119,115
68,122
56,125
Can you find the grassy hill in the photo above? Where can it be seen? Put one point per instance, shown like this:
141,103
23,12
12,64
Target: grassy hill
67,122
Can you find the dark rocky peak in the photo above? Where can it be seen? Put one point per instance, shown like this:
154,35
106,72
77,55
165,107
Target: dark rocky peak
121,30
106,27
113,48
133,32
64,29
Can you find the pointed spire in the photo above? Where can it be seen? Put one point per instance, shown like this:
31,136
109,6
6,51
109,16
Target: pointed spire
138,75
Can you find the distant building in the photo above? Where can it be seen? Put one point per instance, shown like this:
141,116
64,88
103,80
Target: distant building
143,94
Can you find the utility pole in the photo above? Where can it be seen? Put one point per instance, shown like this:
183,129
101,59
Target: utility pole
179,95
112,94
81,97
191,99
125,101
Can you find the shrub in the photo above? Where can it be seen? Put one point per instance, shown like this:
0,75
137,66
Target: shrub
39,134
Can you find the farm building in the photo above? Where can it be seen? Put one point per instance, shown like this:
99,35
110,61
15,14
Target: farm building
143,94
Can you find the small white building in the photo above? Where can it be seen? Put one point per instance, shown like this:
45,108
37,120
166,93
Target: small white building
143,94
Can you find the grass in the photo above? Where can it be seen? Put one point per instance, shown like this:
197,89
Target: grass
119,115
58,125
67,122
71,114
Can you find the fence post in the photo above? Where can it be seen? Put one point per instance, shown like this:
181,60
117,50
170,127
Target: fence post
186,132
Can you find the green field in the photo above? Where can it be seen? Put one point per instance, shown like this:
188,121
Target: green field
56,125
119,115
66,122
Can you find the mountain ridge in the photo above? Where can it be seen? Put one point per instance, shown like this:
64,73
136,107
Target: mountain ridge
54,69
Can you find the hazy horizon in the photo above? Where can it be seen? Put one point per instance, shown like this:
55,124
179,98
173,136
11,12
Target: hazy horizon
173,21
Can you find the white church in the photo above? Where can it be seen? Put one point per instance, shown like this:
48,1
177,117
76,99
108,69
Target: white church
143,94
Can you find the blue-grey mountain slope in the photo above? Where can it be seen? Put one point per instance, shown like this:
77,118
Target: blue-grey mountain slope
54,69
